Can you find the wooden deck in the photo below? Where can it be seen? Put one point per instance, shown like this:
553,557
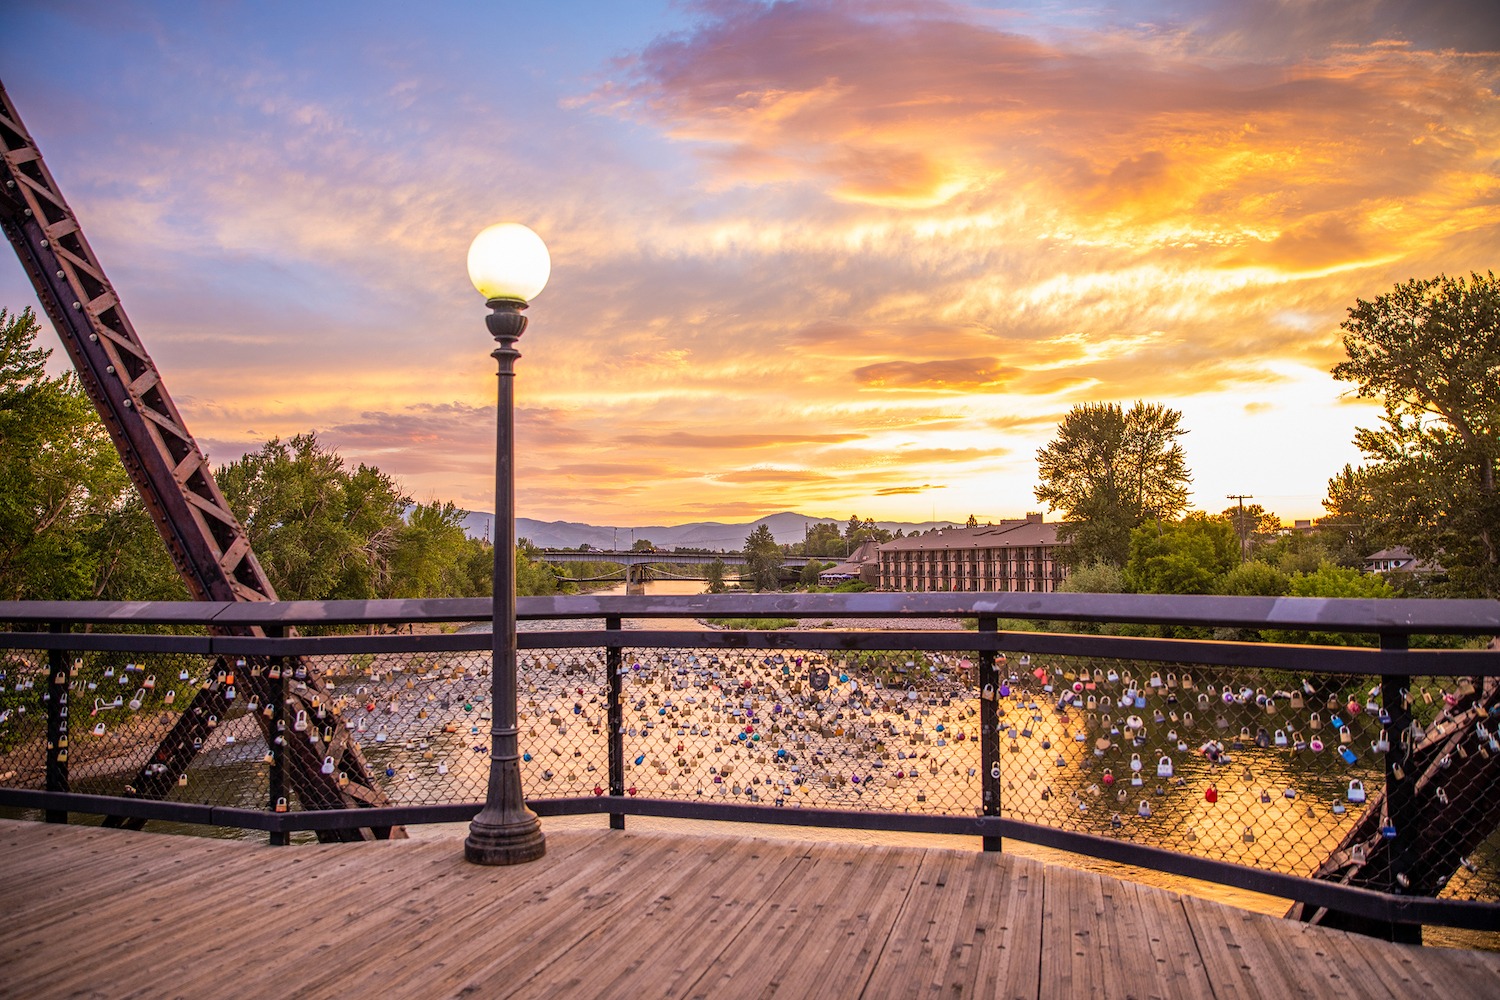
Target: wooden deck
91,912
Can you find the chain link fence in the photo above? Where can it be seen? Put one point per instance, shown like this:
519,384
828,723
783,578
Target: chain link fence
1315,774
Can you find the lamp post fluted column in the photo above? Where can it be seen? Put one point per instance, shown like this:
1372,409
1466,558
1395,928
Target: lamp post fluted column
505,832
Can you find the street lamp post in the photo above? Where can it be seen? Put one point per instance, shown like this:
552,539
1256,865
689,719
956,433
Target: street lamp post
509,265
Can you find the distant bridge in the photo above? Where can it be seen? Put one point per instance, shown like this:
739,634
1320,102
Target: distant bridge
632,558
634,564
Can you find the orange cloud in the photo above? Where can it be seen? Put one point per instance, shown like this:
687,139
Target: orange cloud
951,375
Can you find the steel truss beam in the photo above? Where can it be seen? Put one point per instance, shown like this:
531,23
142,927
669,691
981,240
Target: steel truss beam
205,540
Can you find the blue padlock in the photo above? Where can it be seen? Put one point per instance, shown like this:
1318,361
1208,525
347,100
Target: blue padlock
1348,755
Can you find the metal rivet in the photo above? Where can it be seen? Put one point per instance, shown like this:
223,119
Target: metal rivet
61,275
46,244
127,404
94,337
110,369
77,305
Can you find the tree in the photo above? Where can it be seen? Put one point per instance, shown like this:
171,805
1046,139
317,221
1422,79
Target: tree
321,531
1110,470
1429,351
1254,579
1095,578
714,576
823,539
1186,557
972,522
763,557
1253,525
809,575
71,525
428,558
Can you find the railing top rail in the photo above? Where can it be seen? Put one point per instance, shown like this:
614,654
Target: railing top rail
1387,617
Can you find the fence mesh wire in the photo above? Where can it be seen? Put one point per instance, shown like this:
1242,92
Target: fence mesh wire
1282,771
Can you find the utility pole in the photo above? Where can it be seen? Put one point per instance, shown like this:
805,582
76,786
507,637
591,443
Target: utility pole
1244,539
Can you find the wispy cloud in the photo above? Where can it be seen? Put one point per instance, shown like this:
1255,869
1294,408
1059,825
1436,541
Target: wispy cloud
805,253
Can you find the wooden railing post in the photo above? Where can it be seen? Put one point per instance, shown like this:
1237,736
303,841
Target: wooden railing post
989,729
613,666
276,687
58,683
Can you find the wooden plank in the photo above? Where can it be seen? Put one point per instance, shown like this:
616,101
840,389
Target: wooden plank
1251,955
1069,921
119,909
330,901
1009,929
970,927
522,935
1164,934
822,935
1403,970
1107,938
614,914
374,925
676,935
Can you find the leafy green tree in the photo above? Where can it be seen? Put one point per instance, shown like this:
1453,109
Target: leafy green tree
1095,578
1304,552
71,525
1429,351
714,576
857,532
823,539
1110,470
321,530
1254,579
428,558
809,575
1253,524
131,563
533,578
643,545
1185,557
1339,581
764,558
1331,581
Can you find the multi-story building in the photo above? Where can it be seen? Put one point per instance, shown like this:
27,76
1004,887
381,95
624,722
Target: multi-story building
1009,556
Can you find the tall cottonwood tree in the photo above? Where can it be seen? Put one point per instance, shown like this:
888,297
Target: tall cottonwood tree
1110,470
322,531
763,558
71,524
1429,351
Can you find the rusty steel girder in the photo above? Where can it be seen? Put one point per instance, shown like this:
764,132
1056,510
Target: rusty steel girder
205,540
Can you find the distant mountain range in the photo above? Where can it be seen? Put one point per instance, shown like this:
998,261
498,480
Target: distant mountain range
786,527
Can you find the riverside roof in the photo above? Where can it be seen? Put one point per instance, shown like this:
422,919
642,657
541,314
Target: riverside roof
1006,534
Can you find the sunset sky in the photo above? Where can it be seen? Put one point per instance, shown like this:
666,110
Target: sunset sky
830,257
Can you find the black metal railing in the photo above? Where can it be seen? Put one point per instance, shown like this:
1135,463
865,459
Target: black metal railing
1356,779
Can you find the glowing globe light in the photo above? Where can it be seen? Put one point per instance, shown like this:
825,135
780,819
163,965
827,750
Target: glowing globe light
509,261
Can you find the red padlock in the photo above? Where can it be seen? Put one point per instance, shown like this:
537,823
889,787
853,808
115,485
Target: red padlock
598,790
1210,794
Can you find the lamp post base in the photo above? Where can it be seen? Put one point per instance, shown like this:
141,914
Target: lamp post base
505,843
